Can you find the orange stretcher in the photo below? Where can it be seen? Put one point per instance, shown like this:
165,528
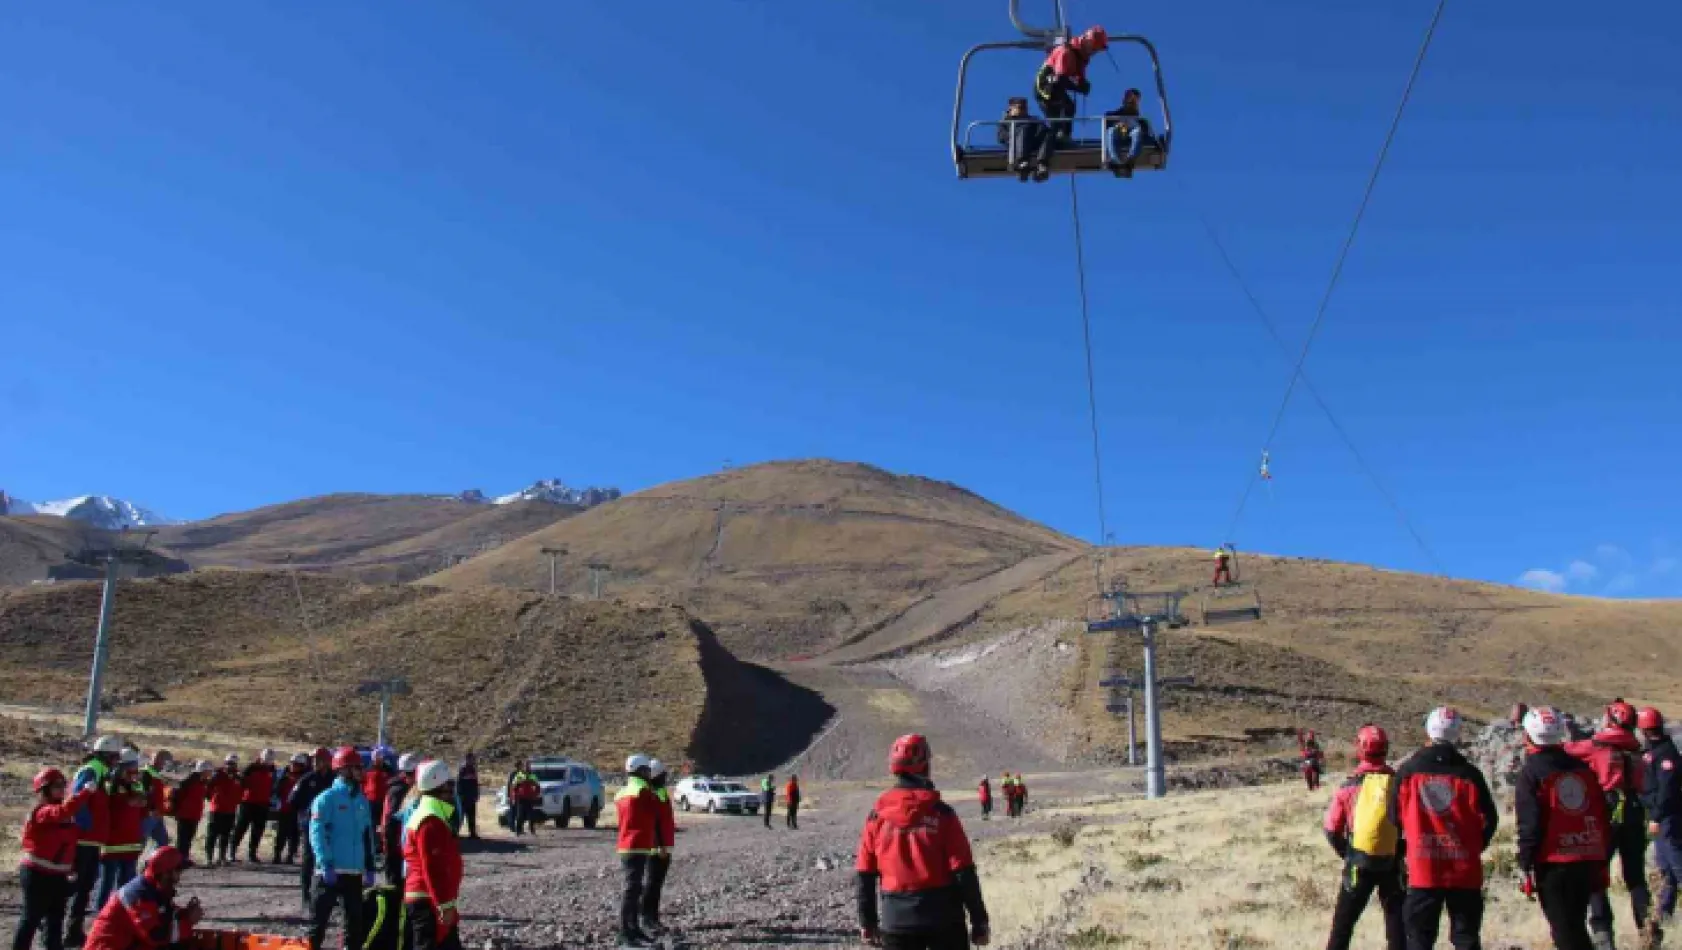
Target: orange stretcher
241,940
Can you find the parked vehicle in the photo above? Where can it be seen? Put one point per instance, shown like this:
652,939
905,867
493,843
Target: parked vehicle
714,795
571,789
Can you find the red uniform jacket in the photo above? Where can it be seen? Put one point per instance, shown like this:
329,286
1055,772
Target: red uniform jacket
914,843
791,792
639,818
1447,818
186,802
374,786
288,781
50,836
157,792
140,916
985,790
668,821
225,793
126,806
1612,755
1561,815
432,863
258,784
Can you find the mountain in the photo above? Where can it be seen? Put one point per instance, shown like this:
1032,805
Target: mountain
555,491
99,511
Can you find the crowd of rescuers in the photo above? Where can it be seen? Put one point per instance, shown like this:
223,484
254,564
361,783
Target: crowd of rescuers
1032,139
1416,834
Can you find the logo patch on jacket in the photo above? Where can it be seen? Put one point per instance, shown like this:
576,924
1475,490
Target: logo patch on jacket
1572,795
1438,794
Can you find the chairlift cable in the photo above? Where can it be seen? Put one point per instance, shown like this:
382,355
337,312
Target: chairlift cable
1091,376
1342,257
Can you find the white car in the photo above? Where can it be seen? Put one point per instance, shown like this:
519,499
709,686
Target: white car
570,789
715,794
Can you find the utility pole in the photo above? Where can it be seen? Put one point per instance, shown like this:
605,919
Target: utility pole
597,570
112,558
304,617
553,553
1143,612
387,688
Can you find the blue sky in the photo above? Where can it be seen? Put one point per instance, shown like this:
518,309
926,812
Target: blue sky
264,250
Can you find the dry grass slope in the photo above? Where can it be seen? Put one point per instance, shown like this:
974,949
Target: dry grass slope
784,558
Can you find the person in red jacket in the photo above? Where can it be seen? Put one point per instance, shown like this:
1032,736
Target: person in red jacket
285,816
91,824
432,862
1368,865
1562,831
1442,804
984,792
791,801
1063,73
660,864
1614,753
376,782
186,803
225,792
49,858
144,916
639,842
126,807
914,847
1313,758
257,785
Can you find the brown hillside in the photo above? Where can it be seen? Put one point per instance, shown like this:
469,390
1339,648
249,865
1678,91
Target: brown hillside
29,545
371,538
783,558
503,671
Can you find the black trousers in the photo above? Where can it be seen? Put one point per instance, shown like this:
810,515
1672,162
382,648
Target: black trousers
469,815
45,899
186,832
306,878
221,836
347,893
394,856
1629,848
1423,910
1059,109
522,818
252,818
420,922
766,808
1564,890
1353,894
658,866
285,836
794,814
87,878
954,940
635,867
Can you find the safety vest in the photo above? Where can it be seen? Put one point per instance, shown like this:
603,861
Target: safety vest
427,807
1372,842
764,785
1221,554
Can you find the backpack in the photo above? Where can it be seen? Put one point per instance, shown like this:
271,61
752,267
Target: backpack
1372,842
383,914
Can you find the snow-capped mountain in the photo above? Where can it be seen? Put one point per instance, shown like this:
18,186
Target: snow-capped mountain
554,490
99,511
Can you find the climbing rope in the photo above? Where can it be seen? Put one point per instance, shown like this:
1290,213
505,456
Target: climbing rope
1091,378
1342,257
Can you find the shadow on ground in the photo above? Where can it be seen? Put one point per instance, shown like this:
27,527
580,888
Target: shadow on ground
754,719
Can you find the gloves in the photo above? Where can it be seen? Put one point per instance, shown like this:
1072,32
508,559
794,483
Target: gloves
980,936
367,878
1527,887
330,877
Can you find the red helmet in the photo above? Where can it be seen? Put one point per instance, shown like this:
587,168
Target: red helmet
1621,714
163,861
1372,744
909,756
346,757
322,752
1096,39
47,777
1650,718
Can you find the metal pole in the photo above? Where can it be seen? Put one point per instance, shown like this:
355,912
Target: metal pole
551,575
1132,732
1155,787
90,718
385,706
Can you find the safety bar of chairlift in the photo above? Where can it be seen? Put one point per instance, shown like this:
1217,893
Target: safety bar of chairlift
1164,141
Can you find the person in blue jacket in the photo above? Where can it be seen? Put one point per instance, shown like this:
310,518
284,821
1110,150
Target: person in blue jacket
342,840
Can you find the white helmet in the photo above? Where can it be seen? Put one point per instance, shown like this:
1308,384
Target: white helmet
107,745
1443,725
299,758
637,762
408,762
232,759
656,768
432,775
129,757
1545,726
202,767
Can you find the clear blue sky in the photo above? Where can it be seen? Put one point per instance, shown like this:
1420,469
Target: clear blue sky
259,251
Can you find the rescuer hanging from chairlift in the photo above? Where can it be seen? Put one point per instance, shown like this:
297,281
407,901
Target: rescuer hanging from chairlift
1063,73
1223,566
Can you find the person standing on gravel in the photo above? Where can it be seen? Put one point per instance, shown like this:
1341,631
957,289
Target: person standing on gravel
467,795
1364,834
225,792
157,793
1447,816
985,793
1562,831
258,784
342,837
302,799
186,803
1664,808
392,830
433,862
767,796
1613,754
522,789
286,815
49,857
92,822
791,802
638,843
914,850
658,864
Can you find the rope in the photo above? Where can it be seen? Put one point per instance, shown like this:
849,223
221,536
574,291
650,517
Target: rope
1091,377
1342,258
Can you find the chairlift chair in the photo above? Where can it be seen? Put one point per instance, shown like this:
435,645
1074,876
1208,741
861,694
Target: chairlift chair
1233,602
976,156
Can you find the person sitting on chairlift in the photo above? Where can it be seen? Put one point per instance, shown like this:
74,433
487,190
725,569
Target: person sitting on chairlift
1028,139
1063,72
1126,132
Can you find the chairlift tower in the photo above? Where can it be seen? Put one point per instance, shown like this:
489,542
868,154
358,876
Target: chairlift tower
598,570
387,688
552,554
112,557
1142,612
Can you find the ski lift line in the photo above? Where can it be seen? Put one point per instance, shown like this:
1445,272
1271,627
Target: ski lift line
1091,376
1343,254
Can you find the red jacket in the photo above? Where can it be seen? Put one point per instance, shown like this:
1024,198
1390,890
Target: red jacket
914,843
186,802
668,820
431,858
1611,754
985,791
127,807
639,818
139,917
258,783
50,836
225,793
791,792
374,786
288,781
1447,818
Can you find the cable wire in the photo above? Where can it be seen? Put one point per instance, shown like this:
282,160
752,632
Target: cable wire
1091,376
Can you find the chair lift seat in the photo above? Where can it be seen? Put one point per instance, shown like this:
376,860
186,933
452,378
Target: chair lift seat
1082,156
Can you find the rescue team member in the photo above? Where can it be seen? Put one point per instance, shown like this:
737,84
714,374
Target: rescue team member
342,837
433,859
225,793
767,796
309,788
1442,804
985,793
1562,833
285,815
1613,755
157,792
92,820
186,803
1021,787
467,795
1064,72
49,857
523,793
791,801
1664,807
640,840
144,916
375,782
913,846
392,828
1362,831
1223,567
1313,759
126,804
659,864
256,792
